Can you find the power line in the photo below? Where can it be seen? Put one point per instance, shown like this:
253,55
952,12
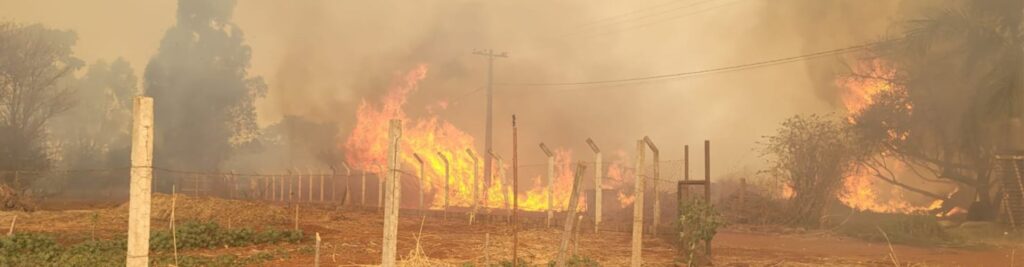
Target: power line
626,17
679,75
664,19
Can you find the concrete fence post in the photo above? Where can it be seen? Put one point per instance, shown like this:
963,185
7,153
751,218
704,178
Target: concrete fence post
447,180
550,184
141,187
638,208
348,193
597,183
657,181
362,190
422,180
393,197
476,186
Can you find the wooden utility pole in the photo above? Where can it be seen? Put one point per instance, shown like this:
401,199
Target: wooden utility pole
490,99
638,208
393,197
571,214
141,187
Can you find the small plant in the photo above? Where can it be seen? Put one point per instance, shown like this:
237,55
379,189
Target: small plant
698,224
576,260
508,263
210,235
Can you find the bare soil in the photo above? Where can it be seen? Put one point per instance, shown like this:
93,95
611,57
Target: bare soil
351,237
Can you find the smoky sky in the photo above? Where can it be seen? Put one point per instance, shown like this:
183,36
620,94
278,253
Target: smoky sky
321,58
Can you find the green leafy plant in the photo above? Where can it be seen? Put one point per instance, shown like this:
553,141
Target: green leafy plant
698,224
576,260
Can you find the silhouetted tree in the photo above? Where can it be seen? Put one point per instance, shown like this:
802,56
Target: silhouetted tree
35,64
203,93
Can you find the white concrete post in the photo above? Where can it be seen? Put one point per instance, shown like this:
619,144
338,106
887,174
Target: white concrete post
393,197
348,193
447,181
423,184
309,179
298,185
362,191
597,183
476,186
638,208
551,179
141,187
656,178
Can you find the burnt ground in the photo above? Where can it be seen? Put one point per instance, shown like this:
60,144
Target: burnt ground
352,236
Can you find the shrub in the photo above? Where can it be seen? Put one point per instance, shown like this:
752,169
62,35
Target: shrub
698,224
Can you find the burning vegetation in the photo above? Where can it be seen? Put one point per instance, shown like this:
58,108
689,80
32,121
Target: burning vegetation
349,133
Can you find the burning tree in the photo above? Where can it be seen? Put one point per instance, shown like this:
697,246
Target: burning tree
956,89
812,154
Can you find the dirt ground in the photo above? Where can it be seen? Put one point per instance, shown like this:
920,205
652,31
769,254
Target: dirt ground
351,237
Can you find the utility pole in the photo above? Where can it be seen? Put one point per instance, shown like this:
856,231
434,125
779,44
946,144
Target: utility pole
490,99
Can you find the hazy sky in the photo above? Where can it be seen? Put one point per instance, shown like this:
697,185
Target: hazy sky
321,57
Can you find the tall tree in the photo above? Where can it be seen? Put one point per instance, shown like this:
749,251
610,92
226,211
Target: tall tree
35,65
958,90
204,95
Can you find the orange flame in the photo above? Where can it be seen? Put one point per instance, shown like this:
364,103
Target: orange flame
429,135
859,190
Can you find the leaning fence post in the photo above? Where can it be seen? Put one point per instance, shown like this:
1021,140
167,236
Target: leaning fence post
141,186
393,193
571,214
638,208
551,178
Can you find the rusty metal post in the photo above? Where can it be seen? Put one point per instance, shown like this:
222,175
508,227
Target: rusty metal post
598,191
515,192
476,186
423,184
686,170
707,183
638,208
550,185
447,180
657,181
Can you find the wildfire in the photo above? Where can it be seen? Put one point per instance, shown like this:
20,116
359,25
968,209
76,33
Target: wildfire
429,135
860,190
